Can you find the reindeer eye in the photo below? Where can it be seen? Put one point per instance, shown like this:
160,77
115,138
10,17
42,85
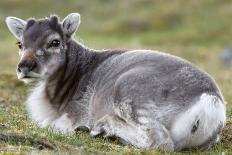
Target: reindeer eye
19,45
54,43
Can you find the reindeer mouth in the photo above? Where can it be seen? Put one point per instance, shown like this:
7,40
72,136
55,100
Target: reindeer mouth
29,78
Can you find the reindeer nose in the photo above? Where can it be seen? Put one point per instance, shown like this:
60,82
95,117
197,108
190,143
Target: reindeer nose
26,66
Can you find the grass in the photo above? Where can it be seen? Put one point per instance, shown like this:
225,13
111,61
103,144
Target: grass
194,30
19,135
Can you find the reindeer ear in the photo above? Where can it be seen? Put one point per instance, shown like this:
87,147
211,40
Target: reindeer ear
16,26
71,23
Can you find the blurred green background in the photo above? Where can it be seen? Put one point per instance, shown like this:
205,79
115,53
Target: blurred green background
196,30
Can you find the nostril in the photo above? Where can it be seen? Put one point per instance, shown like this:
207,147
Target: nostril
32,66
19,70
26,66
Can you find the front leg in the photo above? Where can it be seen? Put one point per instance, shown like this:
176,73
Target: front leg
134,134
63,124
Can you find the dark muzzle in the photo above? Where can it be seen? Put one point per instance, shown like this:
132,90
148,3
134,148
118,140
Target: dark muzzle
26,66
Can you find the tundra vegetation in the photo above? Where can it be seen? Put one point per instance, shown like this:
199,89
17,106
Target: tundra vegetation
196,32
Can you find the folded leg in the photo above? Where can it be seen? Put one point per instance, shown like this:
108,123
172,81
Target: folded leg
134,134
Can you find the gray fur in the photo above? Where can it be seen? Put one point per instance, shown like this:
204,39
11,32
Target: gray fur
113,92
16,26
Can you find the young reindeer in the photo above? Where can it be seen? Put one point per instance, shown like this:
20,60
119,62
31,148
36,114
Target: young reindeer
145,98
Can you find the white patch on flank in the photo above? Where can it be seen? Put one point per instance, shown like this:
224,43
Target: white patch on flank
41,111
210,112
142,112
144,120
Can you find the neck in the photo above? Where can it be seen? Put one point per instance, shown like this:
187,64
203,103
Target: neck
72,78
67,81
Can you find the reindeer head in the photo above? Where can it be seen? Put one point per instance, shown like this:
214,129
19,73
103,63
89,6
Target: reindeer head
42,43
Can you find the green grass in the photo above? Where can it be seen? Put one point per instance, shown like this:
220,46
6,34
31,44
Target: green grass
194,30
24,136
